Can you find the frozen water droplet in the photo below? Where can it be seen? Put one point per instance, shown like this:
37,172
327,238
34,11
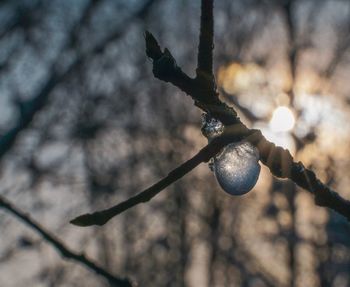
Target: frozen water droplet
211,164
236,168
211,127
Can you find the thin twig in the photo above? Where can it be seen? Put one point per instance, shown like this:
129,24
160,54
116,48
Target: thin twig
101,217
278,160
206,43
61,248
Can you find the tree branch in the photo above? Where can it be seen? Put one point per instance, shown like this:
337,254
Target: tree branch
61,248
200,89
206,44
278,160
101,217
203,91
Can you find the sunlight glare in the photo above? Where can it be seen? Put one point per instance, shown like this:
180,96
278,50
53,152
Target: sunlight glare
282,119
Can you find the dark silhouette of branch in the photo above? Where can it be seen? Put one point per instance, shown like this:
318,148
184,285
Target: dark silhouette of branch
206,46
60,247
278,160
101,217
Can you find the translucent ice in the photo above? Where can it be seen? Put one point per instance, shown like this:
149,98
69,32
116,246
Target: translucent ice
236,168
211,127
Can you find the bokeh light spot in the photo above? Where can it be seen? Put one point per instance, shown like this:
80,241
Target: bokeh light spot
282,120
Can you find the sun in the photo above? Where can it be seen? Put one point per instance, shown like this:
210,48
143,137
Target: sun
282,120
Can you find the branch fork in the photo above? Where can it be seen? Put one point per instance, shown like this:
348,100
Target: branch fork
203,91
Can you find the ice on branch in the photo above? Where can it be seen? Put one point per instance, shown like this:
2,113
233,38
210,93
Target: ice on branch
236,167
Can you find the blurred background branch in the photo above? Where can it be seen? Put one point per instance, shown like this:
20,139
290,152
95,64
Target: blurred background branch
60,247
95,141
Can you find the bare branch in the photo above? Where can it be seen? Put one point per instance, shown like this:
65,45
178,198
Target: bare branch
278,160
200,88
206,44
101,217
61,248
